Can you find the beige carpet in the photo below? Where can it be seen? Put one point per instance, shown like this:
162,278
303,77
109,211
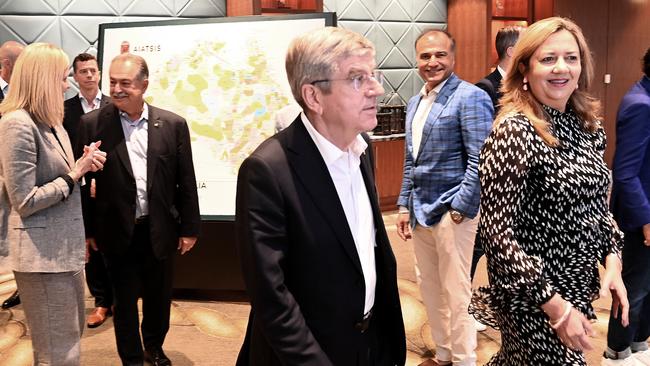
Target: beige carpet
210,333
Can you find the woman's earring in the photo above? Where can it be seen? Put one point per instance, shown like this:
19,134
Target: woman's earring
525,87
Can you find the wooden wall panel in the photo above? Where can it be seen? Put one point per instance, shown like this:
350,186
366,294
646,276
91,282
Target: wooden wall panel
542,9
629,38
468,22
389,166
510,8
239,8
592,17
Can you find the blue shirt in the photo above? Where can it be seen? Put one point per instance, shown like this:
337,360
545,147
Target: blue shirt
135,135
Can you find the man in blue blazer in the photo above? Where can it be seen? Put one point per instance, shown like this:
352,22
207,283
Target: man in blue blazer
631,207
446,125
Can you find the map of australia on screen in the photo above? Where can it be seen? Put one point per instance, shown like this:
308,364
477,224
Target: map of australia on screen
227,79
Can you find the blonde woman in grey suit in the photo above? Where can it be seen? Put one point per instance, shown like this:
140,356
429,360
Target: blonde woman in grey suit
41,227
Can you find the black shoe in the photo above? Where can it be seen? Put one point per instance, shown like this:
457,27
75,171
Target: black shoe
157,357
12,301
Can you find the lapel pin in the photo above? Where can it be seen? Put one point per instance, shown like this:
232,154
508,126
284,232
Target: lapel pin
156,124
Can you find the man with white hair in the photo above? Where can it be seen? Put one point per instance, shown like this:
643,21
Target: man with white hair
316,259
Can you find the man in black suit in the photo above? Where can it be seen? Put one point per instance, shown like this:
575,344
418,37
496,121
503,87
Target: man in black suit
505,42
316,259
145,206
85,72
9,52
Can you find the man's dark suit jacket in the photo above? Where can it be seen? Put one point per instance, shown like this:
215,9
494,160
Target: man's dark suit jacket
300,263
73,113
491,84
171,184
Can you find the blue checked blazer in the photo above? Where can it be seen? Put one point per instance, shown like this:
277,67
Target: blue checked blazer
445,173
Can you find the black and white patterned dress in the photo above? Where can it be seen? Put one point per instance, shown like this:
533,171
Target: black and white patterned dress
545,225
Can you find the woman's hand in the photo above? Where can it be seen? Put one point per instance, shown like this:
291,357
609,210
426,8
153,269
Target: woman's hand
570,325
93,160
575,331
613,282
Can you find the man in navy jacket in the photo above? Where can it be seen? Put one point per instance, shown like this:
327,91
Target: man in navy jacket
631,207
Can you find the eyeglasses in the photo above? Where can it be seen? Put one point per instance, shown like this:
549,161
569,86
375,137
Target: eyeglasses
359,82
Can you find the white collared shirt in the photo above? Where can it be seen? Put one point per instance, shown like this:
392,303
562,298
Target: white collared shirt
135,135
4,86
345,170
501,71
86,106
422,113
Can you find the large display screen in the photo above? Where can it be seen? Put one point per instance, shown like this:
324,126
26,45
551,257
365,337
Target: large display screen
225,76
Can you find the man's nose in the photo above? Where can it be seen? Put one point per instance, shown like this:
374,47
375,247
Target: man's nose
376,88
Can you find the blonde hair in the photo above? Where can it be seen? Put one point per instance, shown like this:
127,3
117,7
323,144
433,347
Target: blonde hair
517,100
315,56
36,83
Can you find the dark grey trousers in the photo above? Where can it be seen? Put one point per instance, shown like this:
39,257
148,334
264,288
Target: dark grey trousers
54,308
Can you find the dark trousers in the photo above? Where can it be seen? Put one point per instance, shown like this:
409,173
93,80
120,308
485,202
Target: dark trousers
373,347
476,256
138,273
636,276
98,281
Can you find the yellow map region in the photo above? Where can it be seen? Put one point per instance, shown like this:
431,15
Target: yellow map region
229,106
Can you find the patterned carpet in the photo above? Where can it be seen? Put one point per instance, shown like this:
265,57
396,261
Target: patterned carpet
210,333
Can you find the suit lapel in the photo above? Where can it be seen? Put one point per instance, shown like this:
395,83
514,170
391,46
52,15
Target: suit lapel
497,80
410,113
645,82
105,100
62,148
78,109
369,182
309,167
112,134
66,145
154,143
438,106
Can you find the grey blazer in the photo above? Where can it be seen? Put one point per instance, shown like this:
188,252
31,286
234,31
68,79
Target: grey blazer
41,228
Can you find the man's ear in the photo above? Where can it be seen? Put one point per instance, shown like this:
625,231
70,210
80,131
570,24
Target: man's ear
509,51
313,98
145,85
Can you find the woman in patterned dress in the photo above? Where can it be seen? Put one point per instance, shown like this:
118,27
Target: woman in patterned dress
544,214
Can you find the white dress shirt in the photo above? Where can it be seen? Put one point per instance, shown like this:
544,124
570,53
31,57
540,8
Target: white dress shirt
422,113
135,135
501,71
345,170
4,86
86,105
